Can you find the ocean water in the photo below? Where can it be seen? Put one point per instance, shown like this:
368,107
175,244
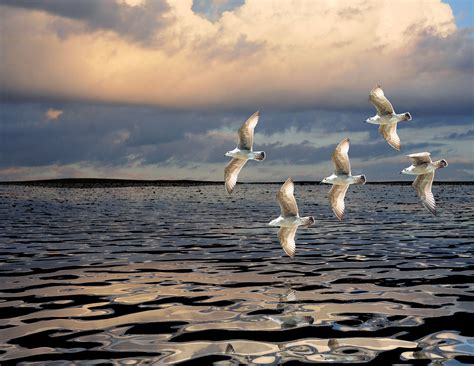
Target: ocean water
190,275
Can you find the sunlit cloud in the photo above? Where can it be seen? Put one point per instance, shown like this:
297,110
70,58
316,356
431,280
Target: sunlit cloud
52,114
295,55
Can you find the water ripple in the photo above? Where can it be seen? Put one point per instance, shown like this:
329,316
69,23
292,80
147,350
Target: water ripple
189,275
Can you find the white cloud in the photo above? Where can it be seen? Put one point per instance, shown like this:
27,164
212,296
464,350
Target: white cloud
288,54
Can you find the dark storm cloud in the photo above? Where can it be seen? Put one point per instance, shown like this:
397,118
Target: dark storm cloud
453,52
468,135
137,23
306,153
449,58
97,133
113,136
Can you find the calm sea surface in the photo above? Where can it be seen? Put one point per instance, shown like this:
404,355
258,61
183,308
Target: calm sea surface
190,275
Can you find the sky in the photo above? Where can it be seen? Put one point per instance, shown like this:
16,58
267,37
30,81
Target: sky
141,89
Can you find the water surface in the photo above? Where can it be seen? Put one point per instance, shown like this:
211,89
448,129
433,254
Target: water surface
165,275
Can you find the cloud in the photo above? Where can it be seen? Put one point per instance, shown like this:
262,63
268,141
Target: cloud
53,114
298,56
151,143
467,135
157,89
139,23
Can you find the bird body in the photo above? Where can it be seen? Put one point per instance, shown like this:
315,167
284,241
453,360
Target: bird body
344,179
289,218
419,169
424,168
386,117
341,178
246,154
242,153
289,221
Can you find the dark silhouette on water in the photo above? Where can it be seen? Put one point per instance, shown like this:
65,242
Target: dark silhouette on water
111,183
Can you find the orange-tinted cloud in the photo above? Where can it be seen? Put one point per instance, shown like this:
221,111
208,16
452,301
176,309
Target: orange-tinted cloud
287,54
53,114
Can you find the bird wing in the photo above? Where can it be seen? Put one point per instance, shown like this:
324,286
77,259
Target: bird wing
286,199
246,132
340,158
286,235
231,172
380,101
389,133
420,158
423,185
336,197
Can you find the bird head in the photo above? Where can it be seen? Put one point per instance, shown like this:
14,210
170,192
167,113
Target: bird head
228,153
325,180
443,163
310,221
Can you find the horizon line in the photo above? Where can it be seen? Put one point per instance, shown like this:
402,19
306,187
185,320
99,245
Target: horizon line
138,182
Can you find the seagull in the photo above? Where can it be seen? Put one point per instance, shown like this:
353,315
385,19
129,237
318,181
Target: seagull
424,169
289,219
386,117
341,178
242,152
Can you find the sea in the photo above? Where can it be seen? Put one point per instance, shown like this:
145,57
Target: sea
189,275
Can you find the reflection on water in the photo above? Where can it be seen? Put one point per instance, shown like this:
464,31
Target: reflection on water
180,274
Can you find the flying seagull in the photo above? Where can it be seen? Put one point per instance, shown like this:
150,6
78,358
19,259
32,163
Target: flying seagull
242,152
424,169
289,218
341,178
386,117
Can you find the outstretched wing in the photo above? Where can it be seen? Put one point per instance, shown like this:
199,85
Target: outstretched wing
336,197
246,132
231,172
423,185
420,158
389,133
340,158
286,235
286,199
380,102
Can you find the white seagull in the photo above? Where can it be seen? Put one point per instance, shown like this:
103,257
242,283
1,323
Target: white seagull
424,169
289,218
386,117
341,178
242,152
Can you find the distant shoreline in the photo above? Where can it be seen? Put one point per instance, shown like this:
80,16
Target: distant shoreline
111,183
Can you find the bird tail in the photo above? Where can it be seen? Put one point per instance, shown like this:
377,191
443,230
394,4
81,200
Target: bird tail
360,179
259,155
